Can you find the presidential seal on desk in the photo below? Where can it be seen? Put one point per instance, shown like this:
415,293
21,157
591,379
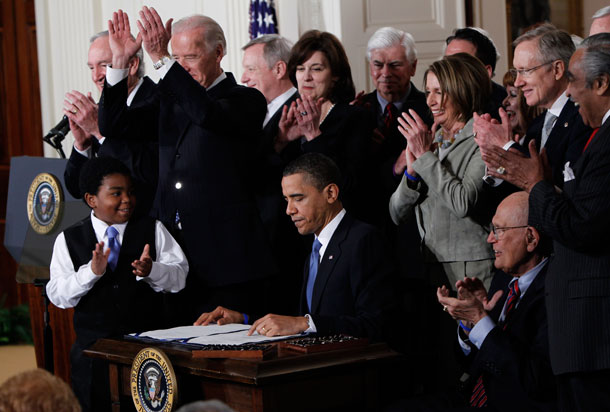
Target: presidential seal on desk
44,203
153,381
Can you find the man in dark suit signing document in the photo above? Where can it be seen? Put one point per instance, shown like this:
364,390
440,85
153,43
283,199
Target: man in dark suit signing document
347,278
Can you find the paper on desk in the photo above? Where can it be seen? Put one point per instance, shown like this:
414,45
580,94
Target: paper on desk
231,334
184,333
238,338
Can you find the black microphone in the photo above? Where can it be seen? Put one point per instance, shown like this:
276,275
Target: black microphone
60,130
57,134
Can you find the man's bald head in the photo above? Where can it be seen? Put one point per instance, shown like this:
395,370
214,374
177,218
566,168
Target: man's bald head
517,246
515,209
601,21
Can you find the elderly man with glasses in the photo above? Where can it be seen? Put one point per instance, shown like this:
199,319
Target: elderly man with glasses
541,61
503,333
578,220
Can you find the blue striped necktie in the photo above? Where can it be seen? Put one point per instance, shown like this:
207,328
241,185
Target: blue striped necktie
314,261
114,246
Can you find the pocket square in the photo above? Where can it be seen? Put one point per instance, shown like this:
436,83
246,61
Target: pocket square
568,173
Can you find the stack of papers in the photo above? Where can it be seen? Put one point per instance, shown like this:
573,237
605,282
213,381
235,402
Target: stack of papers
231,334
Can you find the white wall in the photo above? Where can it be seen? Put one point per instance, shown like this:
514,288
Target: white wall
491,16
64,28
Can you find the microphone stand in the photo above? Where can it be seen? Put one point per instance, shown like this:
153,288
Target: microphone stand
54,138
47,337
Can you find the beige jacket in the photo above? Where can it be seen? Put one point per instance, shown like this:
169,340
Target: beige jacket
448,202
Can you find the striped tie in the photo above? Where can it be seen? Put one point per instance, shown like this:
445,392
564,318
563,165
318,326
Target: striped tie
513,297
479,397
389,116
314,262
114,246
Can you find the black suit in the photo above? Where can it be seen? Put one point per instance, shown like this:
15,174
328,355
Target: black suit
578,286
271,128
383,153
515,362
136,146
353,291
566,140
289,248
269,190
498,94
345,131
380,184
206,139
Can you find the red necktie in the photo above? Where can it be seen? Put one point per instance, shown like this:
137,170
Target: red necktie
511,301
389,115
590,138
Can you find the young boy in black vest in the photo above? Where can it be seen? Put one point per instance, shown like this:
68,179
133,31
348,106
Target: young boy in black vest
111,269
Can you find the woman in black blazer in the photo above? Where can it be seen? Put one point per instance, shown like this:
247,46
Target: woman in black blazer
322,120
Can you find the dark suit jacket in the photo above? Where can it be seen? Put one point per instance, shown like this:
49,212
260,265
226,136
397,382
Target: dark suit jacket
345,132
578,285
353,292
206,139
289,248
383,154
565,142
130,138
394,142
498,94
515,362
271,128
270,170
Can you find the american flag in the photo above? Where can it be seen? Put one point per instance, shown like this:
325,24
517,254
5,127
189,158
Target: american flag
262,18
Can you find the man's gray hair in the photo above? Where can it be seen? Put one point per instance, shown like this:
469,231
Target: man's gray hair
389,36
97,35
214,35
276,48
596,58
139,54
553,44
604,11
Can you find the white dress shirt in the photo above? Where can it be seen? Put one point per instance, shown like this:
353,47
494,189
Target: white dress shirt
66,287
555,110
275,104
606,117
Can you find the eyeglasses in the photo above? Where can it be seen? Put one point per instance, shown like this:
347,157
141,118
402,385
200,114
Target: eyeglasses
498,231
527,72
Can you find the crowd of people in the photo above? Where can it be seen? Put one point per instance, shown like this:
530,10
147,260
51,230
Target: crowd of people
462,224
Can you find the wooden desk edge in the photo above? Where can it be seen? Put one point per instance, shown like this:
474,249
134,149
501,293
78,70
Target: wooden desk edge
247,371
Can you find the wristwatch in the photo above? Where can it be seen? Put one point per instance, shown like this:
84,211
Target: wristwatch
164,60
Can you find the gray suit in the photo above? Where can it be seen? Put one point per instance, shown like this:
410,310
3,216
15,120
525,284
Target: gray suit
449,204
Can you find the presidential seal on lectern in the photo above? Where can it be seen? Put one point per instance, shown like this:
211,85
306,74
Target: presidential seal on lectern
153,381
44,203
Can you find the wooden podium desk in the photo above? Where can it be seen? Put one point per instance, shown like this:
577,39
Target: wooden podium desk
347,379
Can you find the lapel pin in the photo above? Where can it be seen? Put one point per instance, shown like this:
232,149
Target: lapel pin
330,257
565,124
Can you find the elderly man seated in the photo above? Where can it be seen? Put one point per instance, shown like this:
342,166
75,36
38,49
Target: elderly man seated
506,344
502,333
